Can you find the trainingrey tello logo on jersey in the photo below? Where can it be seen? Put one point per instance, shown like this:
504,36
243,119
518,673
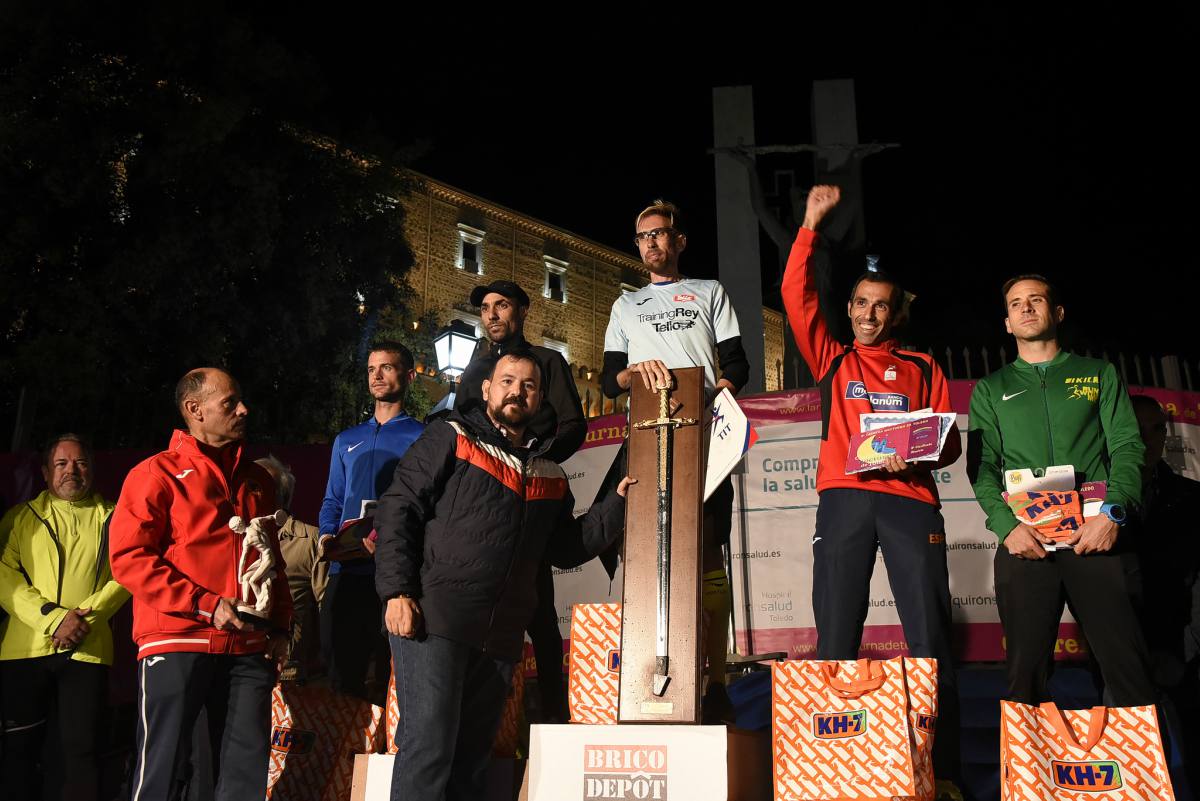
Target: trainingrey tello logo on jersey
681,298
1088,777
839,725
619,772
880,401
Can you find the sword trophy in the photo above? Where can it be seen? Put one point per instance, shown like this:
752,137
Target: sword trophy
660,638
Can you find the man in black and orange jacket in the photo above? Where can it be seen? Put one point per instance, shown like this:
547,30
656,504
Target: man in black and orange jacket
473,509
172,548
896,508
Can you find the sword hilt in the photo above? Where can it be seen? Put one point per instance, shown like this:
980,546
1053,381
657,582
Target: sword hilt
664,419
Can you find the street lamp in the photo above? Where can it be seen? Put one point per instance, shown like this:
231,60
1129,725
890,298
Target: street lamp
454,346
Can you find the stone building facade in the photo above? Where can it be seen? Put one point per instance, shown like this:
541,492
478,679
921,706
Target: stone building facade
460,240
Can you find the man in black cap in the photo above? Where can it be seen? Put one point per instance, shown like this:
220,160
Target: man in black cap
502,309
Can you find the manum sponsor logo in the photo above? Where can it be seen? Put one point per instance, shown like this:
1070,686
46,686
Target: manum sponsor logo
880,401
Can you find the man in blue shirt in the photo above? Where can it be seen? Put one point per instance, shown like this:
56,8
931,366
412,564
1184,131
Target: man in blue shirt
360,469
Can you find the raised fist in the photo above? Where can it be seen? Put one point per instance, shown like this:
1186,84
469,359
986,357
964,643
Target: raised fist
821,199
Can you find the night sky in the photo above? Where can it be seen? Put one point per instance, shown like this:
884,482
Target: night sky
1051,144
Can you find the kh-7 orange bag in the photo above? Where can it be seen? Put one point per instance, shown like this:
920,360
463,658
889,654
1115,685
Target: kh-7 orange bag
853,730
315,733
595,663
1114,753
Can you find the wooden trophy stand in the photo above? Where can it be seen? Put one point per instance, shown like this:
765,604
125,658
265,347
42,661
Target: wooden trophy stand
648,693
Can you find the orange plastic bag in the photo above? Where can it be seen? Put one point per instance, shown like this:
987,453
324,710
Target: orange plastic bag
593,679
851,730
315,734
1114,753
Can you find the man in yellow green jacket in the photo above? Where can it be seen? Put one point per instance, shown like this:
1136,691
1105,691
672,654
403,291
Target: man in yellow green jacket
59,593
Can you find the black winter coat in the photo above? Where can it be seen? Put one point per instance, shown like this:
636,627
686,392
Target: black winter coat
465,523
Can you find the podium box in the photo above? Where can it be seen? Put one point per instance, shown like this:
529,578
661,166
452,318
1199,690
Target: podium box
634,762
373,778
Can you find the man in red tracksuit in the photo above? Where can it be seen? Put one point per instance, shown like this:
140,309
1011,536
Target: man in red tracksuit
172,548
894,509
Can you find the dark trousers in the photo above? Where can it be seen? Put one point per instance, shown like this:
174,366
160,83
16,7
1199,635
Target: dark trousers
548,649
1030,594
451,699
77,691
235,691
851,525
352,636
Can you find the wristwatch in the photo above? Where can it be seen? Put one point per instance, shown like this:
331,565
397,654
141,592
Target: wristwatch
1114,512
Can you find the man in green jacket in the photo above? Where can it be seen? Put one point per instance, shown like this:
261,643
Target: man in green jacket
1050,407
58,590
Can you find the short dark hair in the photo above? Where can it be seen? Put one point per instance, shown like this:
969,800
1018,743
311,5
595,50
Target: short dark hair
190,386
520,354
391,346
52,444
878,277
1051,291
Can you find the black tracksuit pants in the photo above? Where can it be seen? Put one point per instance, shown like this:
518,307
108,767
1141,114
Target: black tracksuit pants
1030,594
353,637
235,690
852,525
79,689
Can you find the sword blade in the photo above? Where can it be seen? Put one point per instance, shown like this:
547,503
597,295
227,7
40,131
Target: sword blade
662,661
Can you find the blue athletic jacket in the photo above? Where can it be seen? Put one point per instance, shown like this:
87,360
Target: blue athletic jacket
360,468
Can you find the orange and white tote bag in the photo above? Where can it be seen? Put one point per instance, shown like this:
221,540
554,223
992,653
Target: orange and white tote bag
594,675
841,730
1114,753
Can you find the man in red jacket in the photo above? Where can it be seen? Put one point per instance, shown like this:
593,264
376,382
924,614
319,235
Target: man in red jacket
895,509
172,548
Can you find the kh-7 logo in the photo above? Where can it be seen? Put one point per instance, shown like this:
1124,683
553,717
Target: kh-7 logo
1088,777
839,725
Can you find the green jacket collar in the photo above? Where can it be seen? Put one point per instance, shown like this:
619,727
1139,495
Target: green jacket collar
1062,356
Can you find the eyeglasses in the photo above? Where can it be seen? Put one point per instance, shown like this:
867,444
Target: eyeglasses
646,237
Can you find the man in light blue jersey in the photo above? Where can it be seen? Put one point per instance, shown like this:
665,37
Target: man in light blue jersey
360,469
672,323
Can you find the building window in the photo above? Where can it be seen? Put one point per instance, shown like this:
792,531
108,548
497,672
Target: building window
555,287
471,320
561,347
470,252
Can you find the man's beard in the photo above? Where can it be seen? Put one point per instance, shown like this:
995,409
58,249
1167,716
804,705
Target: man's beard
72,490
515,415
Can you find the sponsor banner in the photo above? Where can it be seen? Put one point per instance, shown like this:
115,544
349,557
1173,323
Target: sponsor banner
775,515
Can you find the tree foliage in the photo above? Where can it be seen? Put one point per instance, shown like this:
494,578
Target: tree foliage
165,205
